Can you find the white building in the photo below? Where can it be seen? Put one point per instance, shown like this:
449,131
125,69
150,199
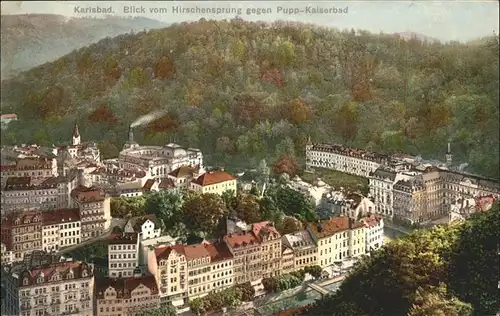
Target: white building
147,227
382,183
216,182
159,161
344,159
374,232
356,205
123,255
80,150
95,211
60,228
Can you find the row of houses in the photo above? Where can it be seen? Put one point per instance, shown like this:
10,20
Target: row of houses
25,231
144,270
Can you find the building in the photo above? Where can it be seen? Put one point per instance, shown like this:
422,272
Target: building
344,159
95,213
5,119
51,288
183,176
374,225
216,182
103,176
156,185
337,239
169,266
270,242
305,251
409,200
356,205
28,192
21,233
80,150
382,183
199,270
287,260
60,228
246,250
126,296
159,161
222,263
31,167
147,227
123,255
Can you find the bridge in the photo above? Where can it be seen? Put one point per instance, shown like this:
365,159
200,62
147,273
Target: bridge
318,289
399,229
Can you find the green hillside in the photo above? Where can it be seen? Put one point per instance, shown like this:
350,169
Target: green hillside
244,91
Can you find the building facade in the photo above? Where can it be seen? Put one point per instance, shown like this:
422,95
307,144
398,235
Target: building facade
247,252
270,243
60,228
126,296
337,239
60,288
123,255
216,182
95,213
304,249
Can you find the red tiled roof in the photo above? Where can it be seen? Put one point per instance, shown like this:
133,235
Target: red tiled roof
125,286
265,227
218,251
195,252
371,221
241,239
214,177
163,252
88,194
7,167
60,216
332,226
63,268
9,220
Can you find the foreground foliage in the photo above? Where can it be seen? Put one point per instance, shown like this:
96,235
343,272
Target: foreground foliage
243,91
231,297
449,270
162,310
290,280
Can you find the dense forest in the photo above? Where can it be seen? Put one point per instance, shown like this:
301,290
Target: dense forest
244,91
446,271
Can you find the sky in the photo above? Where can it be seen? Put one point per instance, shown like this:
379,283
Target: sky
444,20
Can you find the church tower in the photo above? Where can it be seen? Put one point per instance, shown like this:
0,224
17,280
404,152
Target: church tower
309,144
76,135
449,156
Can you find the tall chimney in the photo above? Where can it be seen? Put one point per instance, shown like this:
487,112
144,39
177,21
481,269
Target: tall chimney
130,134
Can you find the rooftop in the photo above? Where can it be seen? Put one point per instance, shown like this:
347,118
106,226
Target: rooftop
124,286
214,177
241,239
85,194
59,216
184,171
123,238
30,183
327,228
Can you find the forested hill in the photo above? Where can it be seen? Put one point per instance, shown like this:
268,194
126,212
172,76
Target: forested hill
243,91
30,40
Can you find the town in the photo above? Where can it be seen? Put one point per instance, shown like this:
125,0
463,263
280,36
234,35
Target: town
57,201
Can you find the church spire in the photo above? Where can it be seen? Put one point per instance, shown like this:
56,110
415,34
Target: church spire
76,135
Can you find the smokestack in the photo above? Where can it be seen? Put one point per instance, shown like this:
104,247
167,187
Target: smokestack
130,134
449,148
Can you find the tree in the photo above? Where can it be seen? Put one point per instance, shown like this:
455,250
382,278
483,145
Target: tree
290,225
163,310
164,68
434,301
128,206
474,264
202,212
248,208
315,271
286,54
286,164
102,114
346,121
299,112
137,78
167,206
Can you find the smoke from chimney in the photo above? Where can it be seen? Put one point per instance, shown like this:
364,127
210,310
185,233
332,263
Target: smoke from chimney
148,118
